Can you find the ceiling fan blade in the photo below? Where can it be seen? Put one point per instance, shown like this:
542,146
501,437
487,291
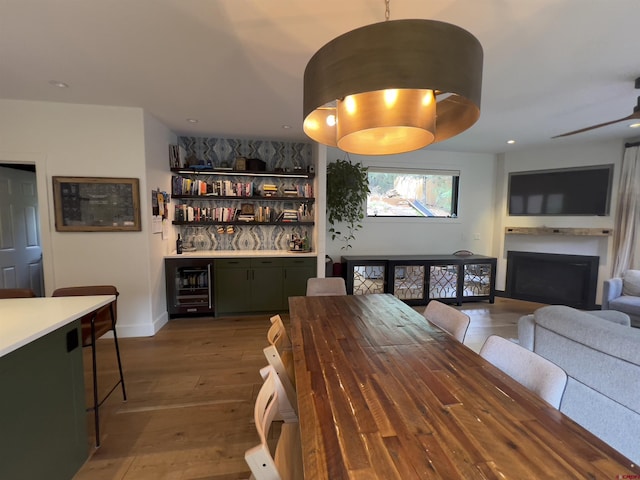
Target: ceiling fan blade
593,127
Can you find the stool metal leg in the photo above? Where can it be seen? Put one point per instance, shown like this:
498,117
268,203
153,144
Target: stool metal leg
115,339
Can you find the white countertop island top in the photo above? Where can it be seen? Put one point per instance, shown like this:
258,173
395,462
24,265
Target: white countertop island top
23,320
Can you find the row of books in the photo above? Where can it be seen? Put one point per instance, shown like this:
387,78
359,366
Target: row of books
187,213
228,188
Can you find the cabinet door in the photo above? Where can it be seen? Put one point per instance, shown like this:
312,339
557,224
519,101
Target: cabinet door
366,277
266,287
443,281
296,272
407,281
232,286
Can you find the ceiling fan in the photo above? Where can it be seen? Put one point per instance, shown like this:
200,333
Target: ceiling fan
634,116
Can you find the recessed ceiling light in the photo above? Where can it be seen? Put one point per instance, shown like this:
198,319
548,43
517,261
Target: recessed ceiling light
511,142
286,127
192,120
59,84
634,125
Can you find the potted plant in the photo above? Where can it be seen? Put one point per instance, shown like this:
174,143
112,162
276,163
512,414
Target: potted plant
347,189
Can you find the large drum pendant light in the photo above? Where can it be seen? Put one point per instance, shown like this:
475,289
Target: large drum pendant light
393,87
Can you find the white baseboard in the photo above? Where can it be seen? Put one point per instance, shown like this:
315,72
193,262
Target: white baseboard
147,330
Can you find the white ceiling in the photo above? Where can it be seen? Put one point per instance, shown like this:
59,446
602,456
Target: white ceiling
550,66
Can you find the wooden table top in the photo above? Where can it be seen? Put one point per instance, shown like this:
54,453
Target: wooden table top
383,394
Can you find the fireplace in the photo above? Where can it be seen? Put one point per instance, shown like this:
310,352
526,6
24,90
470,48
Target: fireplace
552,278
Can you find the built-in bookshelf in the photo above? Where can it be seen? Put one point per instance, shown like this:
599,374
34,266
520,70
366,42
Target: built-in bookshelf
215,197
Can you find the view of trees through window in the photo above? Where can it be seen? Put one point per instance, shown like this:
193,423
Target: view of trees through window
412,194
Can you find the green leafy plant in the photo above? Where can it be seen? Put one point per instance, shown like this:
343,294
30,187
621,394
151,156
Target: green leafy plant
347,189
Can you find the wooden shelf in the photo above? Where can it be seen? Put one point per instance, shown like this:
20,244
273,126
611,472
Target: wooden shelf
254,198
237,222
246,173
586,232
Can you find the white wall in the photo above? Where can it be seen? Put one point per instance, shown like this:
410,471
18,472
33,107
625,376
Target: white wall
472,230
547,158
85,140
157,138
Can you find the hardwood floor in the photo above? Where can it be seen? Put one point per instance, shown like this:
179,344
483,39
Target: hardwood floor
191,388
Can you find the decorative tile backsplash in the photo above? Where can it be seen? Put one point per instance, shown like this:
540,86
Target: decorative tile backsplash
220,152
277,155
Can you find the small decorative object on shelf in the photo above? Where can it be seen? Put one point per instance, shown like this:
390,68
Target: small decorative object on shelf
299,244
179,245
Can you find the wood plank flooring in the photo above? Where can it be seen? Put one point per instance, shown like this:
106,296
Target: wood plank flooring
191,388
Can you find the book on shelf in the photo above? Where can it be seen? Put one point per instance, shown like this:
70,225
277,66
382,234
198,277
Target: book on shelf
269,190
177,156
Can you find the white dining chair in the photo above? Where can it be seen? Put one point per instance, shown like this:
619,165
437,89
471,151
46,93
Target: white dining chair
282,363
542,377
286,461
278,333
452,321
286,412
326,286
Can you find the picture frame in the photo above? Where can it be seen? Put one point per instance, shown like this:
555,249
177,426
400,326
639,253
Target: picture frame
96,204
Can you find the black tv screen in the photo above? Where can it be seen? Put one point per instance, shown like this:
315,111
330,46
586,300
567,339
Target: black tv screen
568,191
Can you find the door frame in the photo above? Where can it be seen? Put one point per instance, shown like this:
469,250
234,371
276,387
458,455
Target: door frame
44,209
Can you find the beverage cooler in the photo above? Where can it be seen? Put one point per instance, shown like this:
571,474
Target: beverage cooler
189,286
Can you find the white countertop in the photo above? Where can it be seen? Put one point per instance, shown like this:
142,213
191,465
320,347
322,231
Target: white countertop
240,253
23,320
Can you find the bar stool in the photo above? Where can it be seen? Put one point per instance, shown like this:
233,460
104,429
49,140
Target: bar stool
95,325
16,293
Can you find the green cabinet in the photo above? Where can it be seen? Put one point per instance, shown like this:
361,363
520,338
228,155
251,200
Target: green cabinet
296,271
43,430
226,286
248,285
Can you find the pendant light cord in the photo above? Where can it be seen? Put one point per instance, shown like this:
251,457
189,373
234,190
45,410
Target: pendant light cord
387,13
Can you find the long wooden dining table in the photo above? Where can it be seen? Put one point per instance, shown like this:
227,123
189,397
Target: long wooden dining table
383,394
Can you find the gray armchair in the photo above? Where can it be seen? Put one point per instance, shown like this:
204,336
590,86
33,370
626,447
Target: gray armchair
623,295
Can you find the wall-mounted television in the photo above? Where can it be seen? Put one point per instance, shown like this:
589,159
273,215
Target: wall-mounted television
565,191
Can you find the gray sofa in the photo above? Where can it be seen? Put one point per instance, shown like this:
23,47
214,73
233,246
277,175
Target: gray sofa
601,355
623,295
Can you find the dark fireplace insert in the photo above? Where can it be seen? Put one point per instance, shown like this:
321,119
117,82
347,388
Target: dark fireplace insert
552,278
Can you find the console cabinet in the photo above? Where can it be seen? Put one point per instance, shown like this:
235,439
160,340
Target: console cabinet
226,286
420,278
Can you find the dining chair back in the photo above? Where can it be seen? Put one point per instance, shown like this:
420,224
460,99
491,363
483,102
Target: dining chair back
282,363
277,333
16,293
94,325
452,321
286,412
542,377
286,461
326,286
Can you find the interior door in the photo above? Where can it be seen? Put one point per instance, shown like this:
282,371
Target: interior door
20,251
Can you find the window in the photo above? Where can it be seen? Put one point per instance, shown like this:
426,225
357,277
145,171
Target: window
412,193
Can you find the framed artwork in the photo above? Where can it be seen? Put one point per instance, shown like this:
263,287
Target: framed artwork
96,204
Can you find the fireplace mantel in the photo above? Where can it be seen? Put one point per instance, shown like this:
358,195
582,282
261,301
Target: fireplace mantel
590,232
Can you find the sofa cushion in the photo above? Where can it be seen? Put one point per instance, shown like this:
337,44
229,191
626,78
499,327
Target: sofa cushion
626,304
631,283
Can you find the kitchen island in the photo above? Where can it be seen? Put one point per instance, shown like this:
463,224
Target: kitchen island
43,430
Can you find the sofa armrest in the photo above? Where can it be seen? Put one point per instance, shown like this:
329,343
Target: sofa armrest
612,316
526,328
612,289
